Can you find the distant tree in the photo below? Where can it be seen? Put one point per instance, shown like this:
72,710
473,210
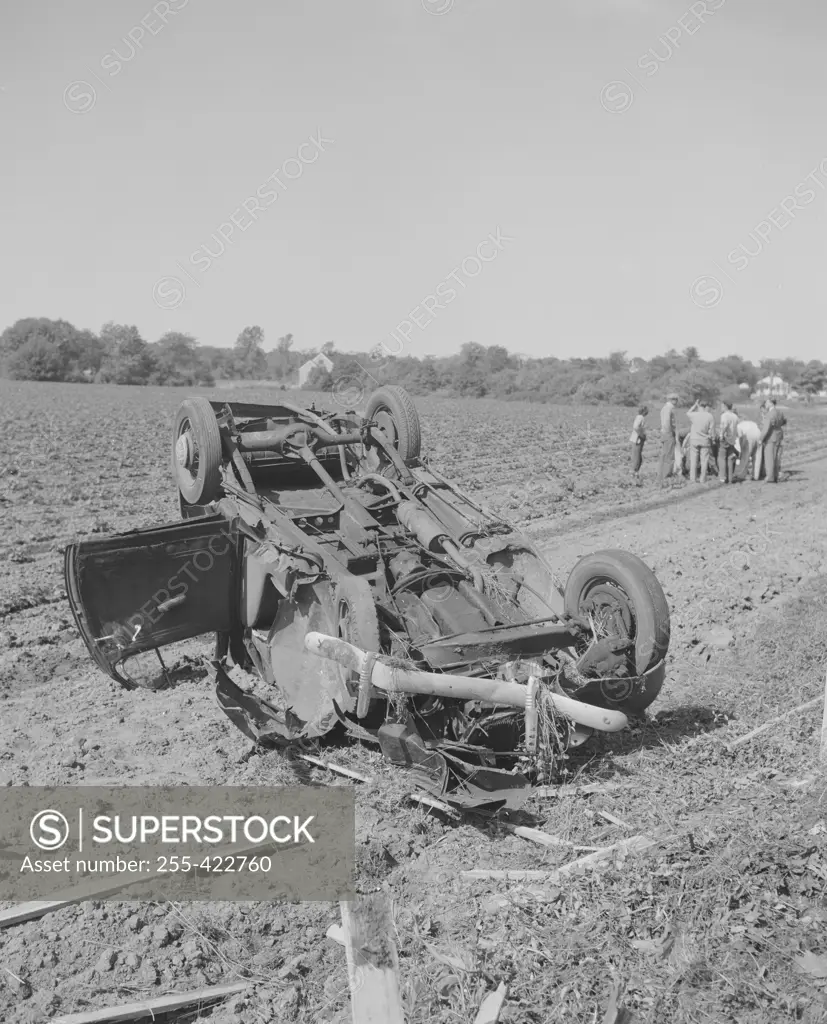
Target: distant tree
471,354
813,378
497,359
618,361
696,383
128,359
470,381
279,362
249,361
36,359
179,361
320,379
327,349
691,355
52,347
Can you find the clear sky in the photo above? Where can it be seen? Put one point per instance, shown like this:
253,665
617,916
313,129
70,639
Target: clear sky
635,154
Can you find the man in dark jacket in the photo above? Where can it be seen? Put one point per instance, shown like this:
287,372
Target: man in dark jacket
668,438
772,439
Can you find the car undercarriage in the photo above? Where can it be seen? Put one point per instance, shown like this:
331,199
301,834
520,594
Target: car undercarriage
366,593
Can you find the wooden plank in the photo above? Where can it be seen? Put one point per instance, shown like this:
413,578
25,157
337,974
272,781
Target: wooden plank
613,819
633,844
97,890
823,749
510,876
335,768
372,960
489,1011
429,801
152,1007
536,835
768,725
574,790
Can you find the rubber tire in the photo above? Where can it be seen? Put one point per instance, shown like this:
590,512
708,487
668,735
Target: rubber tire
205,487
362,621
650,608
398,403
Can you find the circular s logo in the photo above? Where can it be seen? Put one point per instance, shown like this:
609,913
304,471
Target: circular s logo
616,97
168,292
79,97
49,830
706,291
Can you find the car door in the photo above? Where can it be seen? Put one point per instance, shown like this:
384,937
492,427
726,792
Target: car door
135,592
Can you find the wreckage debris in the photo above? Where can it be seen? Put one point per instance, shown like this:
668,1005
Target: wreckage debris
367,593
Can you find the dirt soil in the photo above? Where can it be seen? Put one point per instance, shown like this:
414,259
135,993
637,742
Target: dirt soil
724,919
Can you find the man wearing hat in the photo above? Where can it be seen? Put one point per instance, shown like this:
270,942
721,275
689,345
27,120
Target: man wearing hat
668,438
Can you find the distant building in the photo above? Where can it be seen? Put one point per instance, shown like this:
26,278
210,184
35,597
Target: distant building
636,364
307,368
773,387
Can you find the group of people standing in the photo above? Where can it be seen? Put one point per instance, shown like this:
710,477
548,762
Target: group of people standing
727,448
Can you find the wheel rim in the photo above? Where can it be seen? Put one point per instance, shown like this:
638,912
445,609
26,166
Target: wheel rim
186,453
609,608
385,422
343,632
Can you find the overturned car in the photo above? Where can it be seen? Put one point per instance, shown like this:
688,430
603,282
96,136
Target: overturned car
359,589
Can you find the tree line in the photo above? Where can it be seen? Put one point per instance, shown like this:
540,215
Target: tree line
55,350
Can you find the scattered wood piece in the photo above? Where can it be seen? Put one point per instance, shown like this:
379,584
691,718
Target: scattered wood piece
615,1013
768,725
372,960
613,819
152,1007
429,801
336,933
335,768
510,876
489,1011
823,749
536,835
633,844
575,790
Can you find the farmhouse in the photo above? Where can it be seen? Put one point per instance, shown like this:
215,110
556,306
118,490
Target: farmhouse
773,387
307,368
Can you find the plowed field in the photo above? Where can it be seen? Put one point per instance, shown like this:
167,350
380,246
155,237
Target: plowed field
725,919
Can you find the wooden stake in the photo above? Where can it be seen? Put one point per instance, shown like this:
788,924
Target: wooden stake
823,751
633,844
152,1007
489,1011
768,725
335,768
372,960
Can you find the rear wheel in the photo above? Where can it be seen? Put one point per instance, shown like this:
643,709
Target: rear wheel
196,452
358,624
623,598
395,414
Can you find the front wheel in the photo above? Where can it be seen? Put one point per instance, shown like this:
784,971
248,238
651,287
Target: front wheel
395,414
196,452
622,597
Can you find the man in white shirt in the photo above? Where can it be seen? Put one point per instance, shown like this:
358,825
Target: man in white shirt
749,435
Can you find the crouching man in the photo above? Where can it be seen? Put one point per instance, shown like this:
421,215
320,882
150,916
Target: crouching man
749,436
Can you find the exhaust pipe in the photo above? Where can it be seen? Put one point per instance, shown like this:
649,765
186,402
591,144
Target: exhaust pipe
376,670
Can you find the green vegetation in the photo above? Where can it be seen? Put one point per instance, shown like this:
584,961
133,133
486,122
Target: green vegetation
54,350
